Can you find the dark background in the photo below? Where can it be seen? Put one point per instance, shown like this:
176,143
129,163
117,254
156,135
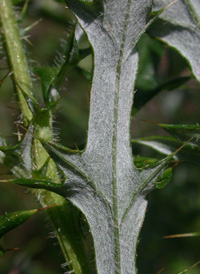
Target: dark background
172,210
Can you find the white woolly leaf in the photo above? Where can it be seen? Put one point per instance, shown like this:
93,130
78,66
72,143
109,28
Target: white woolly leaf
179,26
102,181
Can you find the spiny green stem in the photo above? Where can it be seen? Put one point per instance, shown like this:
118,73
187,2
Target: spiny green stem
16,56
63,217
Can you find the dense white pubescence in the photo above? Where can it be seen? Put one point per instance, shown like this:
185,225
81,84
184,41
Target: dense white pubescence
181,29
106,180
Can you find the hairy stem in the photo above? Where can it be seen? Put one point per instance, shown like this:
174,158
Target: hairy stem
16,56
64,217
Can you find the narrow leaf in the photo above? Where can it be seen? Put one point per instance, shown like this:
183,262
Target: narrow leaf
12,220
166,145
163,179
38,184
183,132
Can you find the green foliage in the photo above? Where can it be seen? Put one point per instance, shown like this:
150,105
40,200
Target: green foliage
105,181
145,162
53,77
166,145
11,220
183,132
148,82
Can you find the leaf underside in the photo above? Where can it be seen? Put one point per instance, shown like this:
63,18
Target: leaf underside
103,181
179,27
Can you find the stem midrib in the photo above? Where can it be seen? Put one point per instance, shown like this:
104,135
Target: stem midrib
114,145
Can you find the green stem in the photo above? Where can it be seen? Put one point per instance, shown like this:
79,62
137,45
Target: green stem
16,56
63,217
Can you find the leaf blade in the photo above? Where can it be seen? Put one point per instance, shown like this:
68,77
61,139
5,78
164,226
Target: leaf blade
12,220
179,27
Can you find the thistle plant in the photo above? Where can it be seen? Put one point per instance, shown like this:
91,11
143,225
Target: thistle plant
104,181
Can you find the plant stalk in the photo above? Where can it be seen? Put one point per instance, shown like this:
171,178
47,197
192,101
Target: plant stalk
63,217
16,57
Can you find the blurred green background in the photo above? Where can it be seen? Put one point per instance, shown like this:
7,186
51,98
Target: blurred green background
172,210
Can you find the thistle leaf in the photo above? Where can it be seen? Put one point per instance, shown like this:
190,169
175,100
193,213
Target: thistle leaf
82,191
12,220
166,145
179,26
163,179
101,180
183,132
9,221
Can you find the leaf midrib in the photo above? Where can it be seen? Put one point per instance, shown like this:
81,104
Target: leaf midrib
141,188
83,175
114,144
